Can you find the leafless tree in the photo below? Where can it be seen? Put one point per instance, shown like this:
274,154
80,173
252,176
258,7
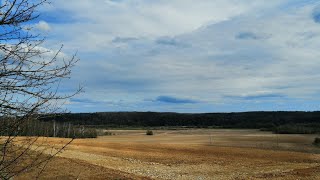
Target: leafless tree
30,76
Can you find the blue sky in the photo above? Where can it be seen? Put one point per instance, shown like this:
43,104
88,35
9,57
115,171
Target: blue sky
188,56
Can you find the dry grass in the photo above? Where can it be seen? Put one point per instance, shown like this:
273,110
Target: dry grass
187,155
66,168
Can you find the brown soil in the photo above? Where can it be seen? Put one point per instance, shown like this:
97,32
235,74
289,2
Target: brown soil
185,155
66,168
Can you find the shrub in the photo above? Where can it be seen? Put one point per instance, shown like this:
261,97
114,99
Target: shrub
107,133
83,132
316,141
296,129
149,133
266,129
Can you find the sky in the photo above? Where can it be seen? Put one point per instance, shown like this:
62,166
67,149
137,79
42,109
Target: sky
188,56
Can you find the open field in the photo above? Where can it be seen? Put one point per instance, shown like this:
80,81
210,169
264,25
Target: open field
186,154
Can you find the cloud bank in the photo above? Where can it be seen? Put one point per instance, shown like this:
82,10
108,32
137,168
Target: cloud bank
224,55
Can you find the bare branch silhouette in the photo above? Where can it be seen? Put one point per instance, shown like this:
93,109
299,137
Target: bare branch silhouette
30,76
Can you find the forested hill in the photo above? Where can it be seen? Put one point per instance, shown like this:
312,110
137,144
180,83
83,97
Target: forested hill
226,120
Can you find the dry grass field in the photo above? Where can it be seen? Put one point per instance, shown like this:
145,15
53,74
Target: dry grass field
186,154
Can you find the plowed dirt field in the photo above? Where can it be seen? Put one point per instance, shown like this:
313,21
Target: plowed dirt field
186,154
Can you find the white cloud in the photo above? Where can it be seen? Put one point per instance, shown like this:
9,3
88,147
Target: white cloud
202,57
98,22
43,26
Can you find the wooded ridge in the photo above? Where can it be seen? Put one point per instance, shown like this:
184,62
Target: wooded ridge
252,120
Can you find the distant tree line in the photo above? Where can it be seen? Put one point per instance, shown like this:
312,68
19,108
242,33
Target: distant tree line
312,128
279,122
33,127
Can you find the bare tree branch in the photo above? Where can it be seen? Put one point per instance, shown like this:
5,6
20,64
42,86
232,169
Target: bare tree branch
30,77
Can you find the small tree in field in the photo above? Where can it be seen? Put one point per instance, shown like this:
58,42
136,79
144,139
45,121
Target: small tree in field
149,132
316,141
29,79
